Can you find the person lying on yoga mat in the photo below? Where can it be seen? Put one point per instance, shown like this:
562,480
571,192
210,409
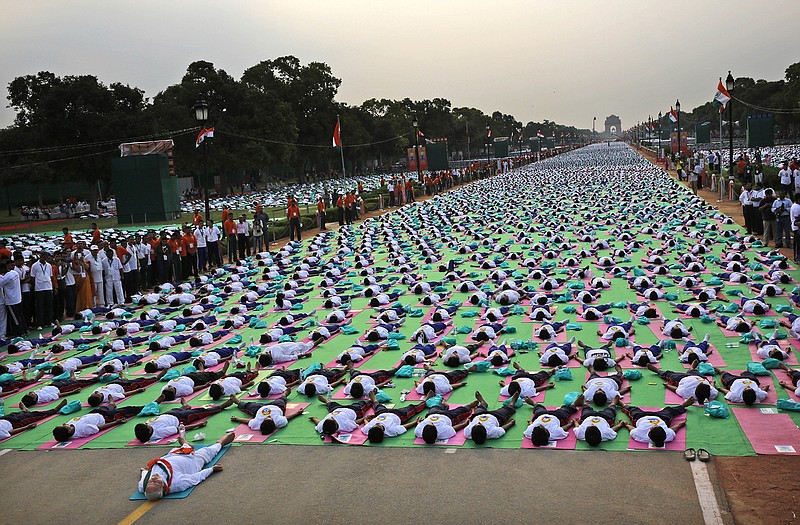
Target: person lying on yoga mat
166,361
499,355
390,315
604,389
357,353
768,289
213,358
57,389
690,384
557,354
793,325
189,383
206,338
421,353
696,310
653,426
490,424
642,355
439,382
121,387
795,378
118,364
735,324
489,331
283,353
232,383
429,331
279,382
72,364
180,469
548,425
323,381
167,342
770,348
599,358
365,383
390,422
13,385
322,333
494,315
695,352
594,313
380,332
274,334
704,294
97,420
526,383
340,418
617,330
24,419
443,422
596,426
458,355
167,424
264,417
744,388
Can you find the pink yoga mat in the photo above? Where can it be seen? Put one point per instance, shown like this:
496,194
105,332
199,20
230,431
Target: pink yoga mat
772,395
568,443
414,396
783,376
791,360
23,389
71,444
728,333
38,423
357,364
769,433
714,359
626,398
561,337
679,443
339,394
538,397
603,327
245,434
671,398
420,365
356,437
177,400
455,441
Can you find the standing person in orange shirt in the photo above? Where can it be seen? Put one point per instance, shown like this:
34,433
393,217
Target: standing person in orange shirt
197,219
321,213
174,243
340,210
349,199
189,253
226,214
5,253
293,213
230,232
409,191
68,244
360,188
96,237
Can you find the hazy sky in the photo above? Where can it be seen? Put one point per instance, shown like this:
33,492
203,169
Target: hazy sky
560,60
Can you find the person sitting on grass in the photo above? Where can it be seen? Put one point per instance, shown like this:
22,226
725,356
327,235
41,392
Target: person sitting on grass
180,469
264,417
653,426
167,424
490,424
97,420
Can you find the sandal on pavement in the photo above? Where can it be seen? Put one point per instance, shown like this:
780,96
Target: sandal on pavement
689,454
703,455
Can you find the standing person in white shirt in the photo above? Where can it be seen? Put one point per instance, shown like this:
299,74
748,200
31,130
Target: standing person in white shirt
95,261
201,234
781,208
794,216
785,177
694,176
130,269
212,234
143,252
242,237
27,292
43,285
113,278
747,205
11,296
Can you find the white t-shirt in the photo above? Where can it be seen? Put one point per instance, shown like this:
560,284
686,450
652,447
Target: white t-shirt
230,385
551,423
5,429
687,386
367,382
444,427
606,432
46,394
441,384
111,391
392,426
163,426
320,384
739,386
460,351
527,388
42,274
487,421
345,417
87,425
277,385
183,386
268,411
609,386
645,424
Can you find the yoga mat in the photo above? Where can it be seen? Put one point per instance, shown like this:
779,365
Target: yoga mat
333,363
356,437
568,443
437,353
769,433
137,496
679,443
71,444
538,397
714,359
561,337
772,395
414,396
177,400
791,360
38,423
244,434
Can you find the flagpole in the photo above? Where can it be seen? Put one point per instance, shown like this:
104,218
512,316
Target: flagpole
719,179
341,148
468,153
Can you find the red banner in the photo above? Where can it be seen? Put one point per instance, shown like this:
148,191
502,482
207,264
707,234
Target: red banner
412,159
673,142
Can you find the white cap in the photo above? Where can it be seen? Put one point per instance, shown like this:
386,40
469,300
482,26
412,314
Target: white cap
93,247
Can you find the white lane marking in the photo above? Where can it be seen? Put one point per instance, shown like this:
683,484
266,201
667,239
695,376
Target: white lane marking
706,494
5,451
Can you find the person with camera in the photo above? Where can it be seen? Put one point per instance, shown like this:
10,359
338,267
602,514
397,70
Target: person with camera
781,208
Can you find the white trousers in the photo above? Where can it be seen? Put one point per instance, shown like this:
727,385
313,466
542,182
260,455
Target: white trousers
100,296
111,287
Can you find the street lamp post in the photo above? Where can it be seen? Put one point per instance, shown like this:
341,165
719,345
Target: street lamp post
488,151
729,86
658,148
415,123
594,119
201,114
678,113
650,130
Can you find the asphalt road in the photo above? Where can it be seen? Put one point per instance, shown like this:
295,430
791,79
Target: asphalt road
354,485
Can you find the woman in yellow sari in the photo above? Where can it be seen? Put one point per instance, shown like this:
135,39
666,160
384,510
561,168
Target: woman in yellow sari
84,289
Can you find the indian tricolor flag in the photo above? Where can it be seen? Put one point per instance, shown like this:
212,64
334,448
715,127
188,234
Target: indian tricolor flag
540,134
722,97
672,115
337,134
204,134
